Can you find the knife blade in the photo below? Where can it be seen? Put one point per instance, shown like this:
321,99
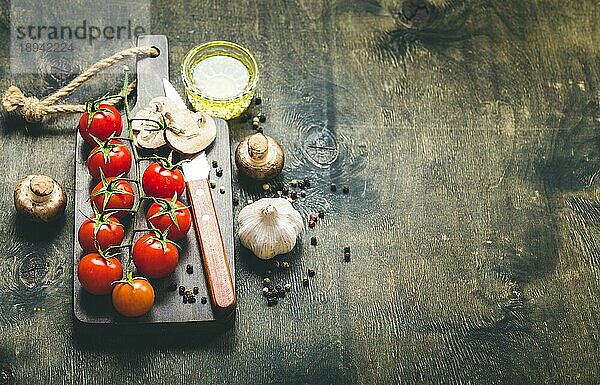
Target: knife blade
171,93
206,224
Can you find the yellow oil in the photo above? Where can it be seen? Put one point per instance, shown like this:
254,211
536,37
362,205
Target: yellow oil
220,83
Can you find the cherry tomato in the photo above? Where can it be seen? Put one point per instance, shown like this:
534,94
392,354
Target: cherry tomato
161,182
117,193
172,215
100,232
112,157
155,256
106,121
133,299
96,273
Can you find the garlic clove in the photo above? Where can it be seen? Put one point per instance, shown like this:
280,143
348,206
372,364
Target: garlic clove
269,227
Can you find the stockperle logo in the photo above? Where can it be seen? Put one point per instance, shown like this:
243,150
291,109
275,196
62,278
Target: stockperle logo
64,37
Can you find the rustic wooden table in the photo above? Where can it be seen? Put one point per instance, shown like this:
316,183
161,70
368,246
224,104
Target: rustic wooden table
468,132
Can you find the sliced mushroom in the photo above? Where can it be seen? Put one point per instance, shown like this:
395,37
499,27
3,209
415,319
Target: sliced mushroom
189,132
163,105
147,136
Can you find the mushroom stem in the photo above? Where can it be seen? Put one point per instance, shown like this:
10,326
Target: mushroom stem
258,146
40,188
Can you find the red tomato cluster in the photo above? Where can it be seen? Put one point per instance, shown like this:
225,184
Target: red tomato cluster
154,254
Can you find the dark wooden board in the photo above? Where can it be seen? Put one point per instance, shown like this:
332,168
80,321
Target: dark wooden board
168,312
469,142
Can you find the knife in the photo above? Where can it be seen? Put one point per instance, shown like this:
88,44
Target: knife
206,222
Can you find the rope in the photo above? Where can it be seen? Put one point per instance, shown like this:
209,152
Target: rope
34,109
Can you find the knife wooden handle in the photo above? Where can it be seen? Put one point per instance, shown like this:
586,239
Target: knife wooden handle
209,236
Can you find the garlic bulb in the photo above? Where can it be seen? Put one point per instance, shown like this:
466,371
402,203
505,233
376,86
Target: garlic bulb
269,227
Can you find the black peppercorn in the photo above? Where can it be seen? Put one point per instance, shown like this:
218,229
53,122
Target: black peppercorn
196,290
272,301
215,164
347,257
345,189
346,249
313,241
321,213
305,281
192,299
222,190
333,187
257,100
306,182
266,281
262,118
294,183
181,290
293,194
259,130
185,299
219,172
301,183
203,300
303,193
189,269
265,291
311,273
213,184
287,287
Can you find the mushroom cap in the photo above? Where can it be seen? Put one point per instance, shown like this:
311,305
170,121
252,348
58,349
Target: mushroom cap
190,132
40,198
259,156
148,139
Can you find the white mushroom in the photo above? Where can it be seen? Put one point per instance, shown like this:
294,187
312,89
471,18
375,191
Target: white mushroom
40,198
189,132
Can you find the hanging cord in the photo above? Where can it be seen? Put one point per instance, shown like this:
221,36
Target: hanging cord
34,109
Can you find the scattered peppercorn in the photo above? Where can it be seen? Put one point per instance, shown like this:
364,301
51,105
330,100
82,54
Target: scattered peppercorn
185,299
192,299
311,273
203,300
302,193
293,194
222,190
196,290
294,183
189,269
257,100
347,257
265,291
345,189
266,187
215,164
321,213
287,287
172,286
306,182
181,290
305,281
271,301
266,281
301,183
262,118
346,249
213,184
259,130
285,190
311,224
219,172
313,241
333,187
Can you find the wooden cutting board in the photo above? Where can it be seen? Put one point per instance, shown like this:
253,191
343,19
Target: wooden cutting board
169,313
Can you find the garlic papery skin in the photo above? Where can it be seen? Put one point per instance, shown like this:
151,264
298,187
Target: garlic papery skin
269,227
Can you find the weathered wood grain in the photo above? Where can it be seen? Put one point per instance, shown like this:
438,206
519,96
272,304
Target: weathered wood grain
468,133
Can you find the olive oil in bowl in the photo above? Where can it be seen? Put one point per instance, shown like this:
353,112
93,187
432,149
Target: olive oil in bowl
220,78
